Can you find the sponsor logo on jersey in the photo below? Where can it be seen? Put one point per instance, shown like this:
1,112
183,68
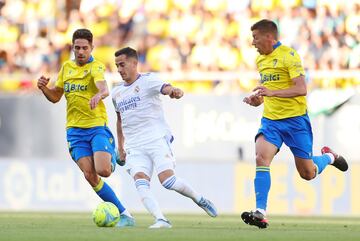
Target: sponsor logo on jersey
269,77
74,87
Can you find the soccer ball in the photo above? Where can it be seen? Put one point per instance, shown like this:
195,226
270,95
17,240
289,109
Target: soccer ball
106,214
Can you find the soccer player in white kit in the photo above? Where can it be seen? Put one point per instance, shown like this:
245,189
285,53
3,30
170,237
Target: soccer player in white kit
144,138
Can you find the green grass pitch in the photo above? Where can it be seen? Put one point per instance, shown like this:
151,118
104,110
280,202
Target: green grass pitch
79,226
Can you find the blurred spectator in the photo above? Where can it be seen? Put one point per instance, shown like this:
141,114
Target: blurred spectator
177,35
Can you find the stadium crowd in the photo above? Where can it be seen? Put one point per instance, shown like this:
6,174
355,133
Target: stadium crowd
177,35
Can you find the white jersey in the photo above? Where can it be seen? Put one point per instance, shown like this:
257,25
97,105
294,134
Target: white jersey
141,111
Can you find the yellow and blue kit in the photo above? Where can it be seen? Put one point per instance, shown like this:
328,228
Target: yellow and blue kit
86,128
284,119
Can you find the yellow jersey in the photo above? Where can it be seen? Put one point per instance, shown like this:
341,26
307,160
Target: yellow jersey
79,87
277,70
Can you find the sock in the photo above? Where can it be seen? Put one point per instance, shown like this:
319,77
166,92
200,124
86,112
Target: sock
148,199
262,183
180,186
104,191
332,158
321,162
261,211
126,213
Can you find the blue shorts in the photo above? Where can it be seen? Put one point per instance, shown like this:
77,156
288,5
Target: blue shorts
295,132
85,141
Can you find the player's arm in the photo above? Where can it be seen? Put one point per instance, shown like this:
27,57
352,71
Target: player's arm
298,89
101,94
52,94
120,138
172,92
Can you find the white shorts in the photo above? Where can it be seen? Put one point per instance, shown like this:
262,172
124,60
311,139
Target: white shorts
157,154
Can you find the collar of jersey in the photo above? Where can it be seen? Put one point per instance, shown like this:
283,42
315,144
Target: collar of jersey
91,59
278,43
134,81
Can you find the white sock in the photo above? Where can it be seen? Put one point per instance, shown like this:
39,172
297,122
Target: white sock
126,212
331,157
179,185
148,199
261,211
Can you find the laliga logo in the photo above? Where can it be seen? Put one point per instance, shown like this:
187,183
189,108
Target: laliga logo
18,185
33,184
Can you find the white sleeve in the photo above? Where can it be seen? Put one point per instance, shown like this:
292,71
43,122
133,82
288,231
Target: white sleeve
113,98
155,84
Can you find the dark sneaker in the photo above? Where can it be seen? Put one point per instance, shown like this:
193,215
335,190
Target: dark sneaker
339,162
255,218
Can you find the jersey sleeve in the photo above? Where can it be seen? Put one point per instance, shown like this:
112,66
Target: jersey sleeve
294,64
60,80
155,84
113,93
98,71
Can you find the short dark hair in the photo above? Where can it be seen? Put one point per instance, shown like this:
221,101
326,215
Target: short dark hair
83,33
128,52
266,26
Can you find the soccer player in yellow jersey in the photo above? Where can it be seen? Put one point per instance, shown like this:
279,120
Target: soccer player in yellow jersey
91,143
283,92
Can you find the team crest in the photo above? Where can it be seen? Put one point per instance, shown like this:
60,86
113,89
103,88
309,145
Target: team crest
137,89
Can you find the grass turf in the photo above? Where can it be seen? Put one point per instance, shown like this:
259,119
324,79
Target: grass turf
79,226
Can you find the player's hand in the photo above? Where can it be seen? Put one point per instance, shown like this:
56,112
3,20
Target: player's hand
176,93
42,82
95,101
255,99
122,156
263,91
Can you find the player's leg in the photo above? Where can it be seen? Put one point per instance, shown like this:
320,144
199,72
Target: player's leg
310,168
142,183
265,152
268,142
102,163
171,182
102,189
164,162
300,140
103,147
140,167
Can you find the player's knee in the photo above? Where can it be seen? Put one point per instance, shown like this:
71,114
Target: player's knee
307,174
260,160
141,175
104,172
